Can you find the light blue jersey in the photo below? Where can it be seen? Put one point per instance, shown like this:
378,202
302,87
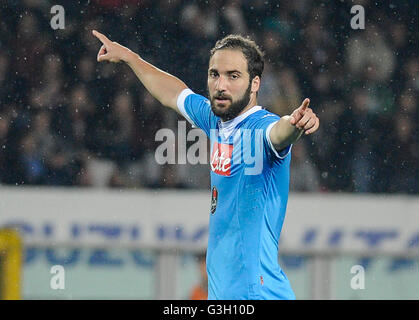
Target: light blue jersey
249,187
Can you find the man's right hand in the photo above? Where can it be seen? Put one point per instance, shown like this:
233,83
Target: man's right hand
162,85
110,50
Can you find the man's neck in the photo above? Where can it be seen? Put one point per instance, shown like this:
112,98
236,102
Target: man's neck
253,102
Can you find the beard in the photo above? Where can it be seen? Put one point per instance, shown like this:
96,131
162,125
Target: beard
228,113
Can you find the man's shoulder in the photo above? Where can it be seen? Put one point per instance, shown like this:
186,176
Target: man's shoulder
263,116
192,97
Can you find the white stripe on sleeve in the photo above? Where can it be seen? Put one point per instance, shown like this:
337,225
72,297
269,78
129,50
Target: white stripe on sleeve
268,131
181,104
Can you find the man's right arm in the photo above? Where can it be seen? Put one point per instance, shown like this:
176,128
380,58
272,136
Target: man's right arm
161,85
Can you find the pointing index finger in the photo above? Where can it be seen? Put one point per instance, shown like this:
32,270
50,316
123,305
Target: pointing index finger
101,37
305,103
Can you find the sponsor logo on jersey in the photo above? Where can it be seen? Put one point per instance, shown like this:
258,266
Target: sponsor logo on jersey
221,158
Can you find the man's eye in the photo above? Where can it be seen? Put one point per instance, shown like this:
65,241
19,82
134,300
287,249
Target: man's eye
234,76
213,74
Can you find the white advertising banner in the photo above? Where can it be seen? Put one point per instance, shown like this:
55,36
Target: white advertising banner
179,219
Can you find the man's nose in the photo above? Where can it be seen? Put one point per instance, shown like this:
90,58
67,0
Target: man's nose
221,84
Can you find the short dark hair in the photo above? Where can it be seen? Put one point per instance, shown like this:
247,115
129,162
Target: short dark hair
248,47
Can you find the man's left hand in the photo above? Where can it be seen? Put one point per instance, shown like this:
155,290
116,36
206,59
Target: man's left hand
304,118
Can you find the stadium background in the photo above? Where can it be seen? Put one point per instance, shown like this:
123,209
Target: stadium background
69,124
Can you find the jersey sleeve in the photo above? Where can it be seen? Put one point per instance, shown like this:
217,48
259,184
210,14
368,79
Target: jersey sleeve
196,109
280,154
267,124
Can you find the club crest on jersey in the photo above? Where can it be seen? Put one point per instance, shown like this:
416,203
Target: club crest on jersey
221,158
214,198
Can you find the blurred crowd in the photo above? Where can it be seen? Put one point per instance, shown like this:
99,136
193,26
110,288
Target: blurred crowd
67,120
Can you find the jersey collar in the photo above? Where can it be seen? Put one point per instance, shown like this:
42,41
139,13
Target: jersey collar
227,127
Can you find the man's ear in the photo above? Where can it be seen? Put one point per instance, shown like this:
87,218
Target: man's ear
255,84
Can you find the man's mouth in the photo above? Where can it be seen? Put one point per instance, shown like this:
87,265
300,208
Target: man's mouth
221,99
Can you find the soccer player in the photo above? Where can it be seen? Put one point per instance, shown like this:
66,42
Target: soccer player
250,159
